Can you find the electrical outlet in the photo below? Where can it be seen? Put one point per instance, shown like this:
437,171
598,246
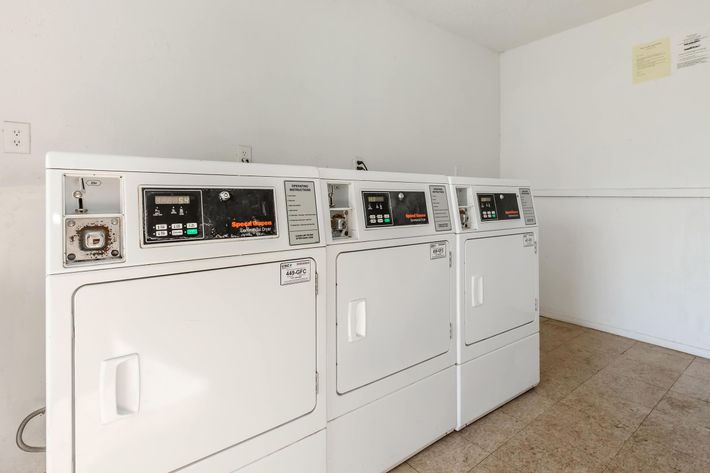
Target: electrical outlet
244,153
16,137
359,164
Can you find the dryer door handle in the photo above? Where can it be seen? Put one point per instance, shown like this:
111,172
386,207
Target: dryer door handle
476,290
357,320
120,387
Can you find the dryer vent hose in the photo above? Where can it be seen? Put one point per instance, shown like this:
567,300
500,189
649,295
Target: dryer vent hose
21,432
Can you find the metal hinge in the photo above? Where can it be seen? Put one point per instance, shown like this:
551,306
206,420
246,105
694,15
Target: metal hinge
317,382
537,304
316,283
451,331
451,258
535,246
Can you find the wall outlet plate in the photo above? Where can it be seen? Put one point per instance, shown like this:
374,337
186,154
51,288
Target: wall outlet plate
16,137
359,164
244,153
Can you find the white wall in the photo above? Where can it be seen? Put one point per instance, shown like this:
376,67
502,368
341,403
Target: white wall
631,262
311,82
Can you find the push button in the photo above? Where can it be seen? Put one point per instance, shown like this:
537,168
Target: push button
191,225
191,231
176,226
161,226
177,233
161,233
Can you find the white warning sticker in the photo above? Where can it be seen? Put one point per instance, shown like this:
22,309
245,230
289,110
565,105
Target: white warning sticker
295,272
438,250
528,239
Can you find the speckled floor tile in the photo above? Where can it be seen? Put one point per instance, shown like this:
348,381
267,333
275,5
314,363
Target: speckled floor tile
531,452
452,454
698,388
685,410
659,356
602,341
580,354
563,378
493,430
581,431
641,455
612,412
684,438
553,334
642,371
528,406
699,368
605,404
614,385
403,468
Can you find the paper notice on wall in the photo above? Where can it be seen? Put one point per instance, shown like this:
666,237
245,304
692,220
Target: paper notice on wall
652,60
693,50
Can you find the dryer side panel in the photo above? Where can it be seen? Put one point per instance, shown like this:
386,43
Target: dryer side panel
171,369
500,284
393,311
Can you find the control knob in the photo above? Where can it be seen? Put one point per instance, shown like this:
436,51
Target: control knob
224,196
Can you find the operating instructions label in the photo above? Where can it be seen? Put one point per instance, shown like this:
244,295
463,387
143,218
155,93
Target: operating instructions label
302,213
528,209
440,208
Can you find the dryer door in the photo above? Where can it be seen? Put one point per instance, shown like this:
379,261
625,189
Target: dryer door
171,369
393,311
500,284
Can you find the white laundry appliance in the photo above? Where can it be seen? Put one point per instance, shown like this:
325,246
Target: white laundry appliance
497,271
390,284
185,328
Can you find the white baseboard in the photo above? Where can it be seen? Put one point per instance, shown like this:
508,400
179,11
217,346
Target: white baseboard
697,351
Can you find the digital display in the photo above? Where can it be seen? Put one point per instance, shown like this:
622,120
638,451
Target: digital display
172,200
375,198
486,199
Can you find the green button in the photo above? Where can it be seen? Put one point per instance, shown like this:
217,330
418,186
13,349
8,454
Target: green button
387,220
192,231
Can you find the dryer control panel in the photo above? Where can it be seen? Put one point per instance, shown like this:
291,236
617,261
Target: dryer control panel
176,215
496,207
395,208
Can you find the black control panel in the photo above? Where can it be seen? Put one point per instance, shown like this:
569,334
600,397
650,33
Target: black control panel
496,207
395,208
173,215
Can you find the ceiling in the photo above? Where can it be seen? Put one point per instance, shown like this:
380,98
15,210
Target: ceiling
506,24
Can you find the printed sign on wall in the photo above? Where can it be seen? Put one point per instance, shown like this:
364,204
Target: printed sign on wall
693,50
651,60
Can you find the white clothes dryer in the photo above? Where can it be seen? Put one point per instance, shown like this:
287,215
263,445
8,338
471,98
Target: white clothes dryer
185,329
497,271
391,389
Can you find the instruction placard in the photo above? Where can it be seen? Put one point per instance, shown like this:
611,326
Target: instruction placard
527,202
651,61
302,212
693,50
440,207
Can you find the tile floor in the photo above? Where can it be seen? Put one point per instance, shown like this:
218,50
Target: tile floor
605,404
